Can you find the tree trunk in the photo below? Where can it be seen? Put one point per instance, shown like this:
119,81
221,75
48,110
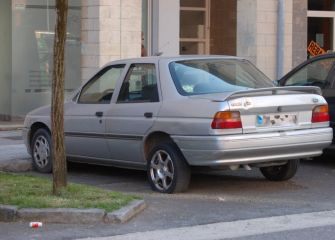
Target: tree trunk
57,102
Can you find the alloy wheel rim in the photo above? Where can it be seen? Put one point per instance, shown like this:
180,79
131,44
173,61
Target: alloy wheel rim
161,170
41,152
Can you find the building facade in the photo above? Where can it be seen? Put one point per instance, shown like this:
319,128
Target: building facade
273,34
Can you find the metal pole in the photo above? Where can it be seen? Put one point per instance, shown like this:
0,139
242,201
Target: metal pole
280,38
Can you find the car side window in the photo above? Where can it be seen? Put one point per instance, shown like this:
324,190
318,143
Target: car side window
312,74
140,84
100,89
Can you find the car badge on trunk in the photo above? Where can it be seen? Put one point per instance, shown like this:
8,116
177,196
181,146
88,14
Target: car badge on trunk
247,103
279,109
315,100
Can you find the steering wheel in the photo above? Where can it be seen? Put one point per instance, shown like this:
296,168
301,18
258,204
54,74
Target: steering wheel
106,95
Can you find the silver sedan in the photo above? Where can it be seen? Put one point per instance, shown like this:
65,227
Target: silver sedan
167,115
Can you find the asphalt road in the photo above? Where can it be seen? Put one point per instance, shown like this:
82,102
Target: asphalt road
227,197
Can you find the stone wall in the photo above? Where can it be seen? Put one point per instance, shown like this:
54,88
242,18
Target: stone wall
246,30
266,23
299,32
111,29
257,34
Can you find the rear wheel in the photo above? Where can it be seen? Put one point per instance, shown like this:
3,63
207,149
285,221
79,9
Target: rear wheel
41,151
282,172
167,170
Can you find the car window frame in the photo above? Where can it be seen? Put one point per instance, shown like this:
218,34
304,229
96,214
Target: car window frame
127,72
96,77
330,77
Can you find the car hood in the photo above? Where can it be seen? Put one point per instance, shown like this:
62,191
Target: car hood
41,111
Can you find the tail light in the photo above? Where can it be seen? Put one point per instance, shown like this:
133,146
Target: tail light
320,114
227,120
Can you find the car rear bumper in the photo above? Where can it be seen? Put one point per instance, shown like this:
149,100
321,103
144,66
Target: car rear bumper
253,148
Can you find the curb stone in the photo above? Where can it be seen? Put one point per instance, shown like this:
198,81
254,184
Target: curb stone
10,127
126,213
16,165
14,158
8,213
71,215
61,215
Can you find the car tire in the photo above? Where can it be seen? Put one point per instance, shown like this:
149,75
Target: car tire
282,172
41,151
167,169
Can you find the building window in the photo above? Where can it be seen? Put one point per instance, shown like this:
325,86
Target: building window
324,5
208,27
321,27
33,24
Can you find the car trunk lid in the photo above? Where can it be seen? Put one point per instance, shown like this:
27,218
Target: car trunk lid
273,109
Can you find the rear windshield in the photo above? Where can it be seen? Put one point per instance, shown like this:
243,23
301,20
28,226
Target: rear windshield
193,77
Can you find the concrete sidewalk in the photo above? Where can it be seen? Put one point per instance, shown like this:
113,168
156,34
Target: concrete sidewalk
13,153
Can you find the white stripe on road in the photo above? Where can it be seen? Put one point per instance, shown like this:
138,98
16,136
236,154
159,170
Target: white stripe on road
236,229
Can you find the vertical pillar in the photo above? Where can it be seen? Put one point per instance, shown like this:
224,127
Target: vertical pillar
299,41
5,59
165,27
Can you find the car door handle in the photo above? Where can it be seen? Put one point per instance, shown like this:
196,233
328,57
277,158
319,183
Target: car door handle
99,114
148,114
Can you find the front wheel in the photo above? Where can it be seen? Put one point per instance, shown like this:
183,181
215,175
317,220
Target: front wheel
282,172
41,151
167,170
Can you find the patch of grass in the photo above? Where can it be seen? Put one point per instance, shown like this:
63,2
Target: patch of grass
27,191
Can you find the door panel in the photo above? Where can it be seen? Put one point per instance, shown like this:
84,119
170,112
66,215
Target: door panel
85,121
318,71
329,95
126,126
84,131
134,113
313,73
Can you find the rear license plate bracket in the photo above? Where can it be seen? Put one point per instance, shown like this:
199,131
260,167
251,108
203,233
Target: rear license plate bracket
276,120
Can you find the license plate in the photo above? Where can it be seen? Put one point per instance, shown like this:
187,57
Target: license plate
276,120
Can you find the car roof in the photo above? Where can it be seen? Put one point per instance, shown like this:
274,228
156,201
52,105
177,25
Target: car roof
171,58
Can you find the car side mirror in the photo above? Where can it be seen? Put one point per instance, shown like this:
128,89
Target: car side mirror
276,83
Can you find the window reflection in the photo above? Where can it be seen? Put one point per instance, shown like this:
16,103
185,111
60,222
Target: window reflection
33,23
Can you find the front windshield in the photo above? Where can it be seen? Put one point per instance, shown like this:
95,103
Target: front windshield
193,77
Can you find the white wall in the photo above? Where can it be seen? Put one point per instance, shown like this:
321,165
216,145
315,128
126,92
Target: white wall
110,30
165,32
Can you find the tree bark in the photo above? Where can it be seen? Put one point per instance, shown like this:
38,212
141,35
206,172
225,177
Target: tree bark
57,102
